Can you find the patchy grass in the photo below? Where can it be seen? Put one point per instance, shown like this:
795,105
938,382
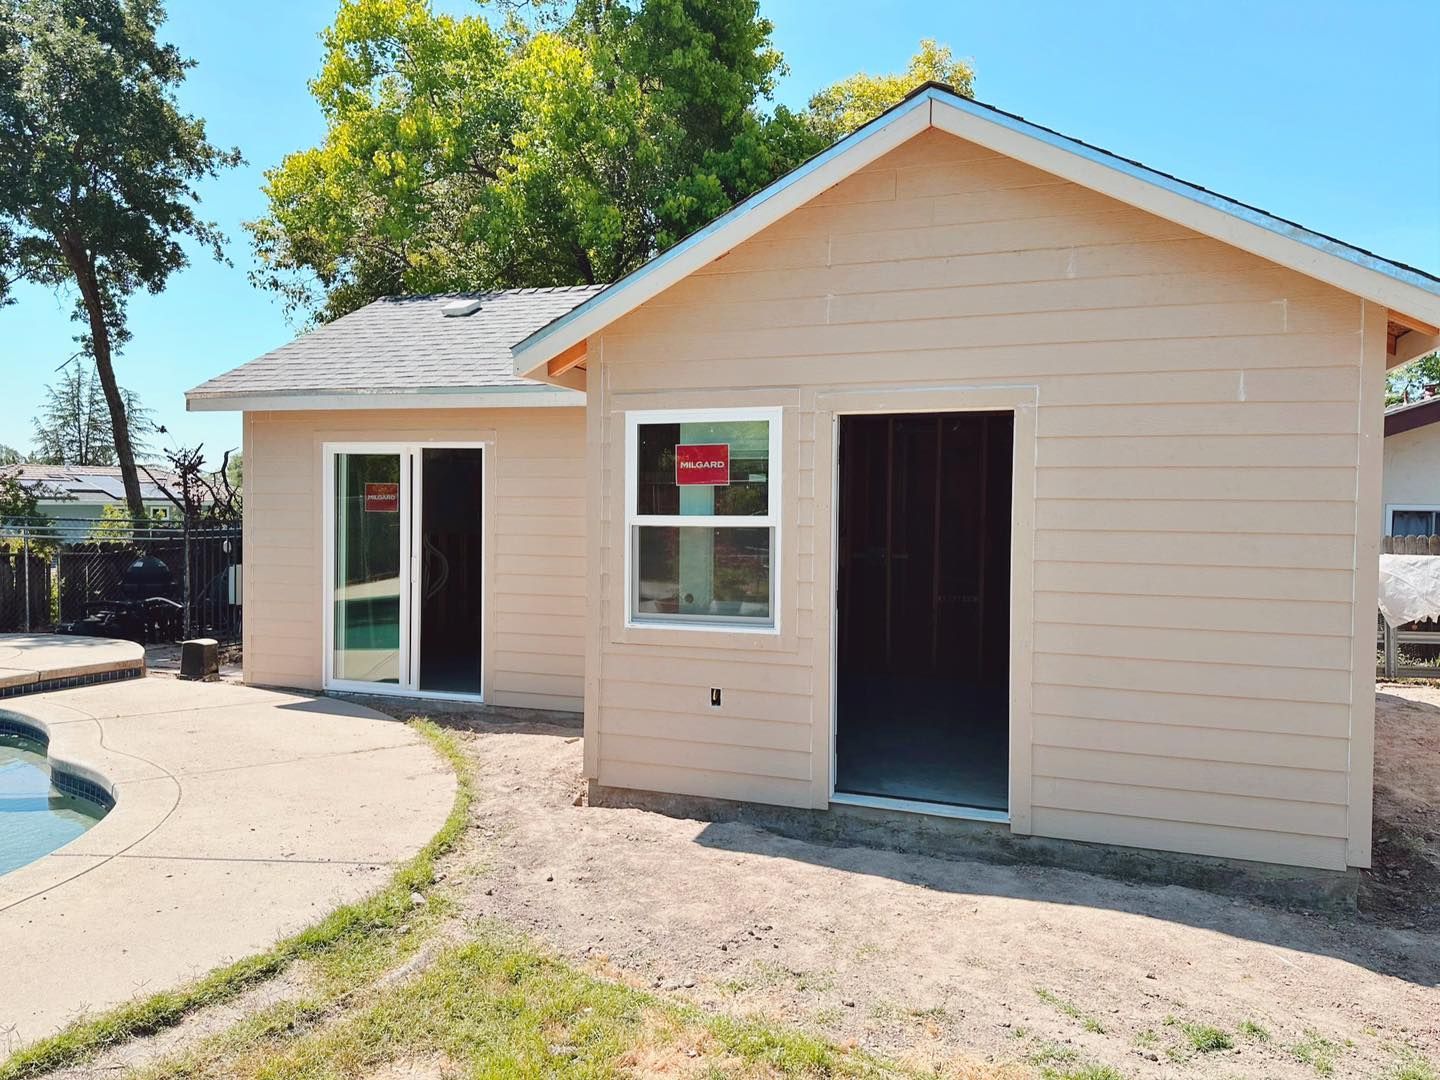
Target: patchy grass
1070,1009
357,933
764,975
1253,1031
1317,1051
936,1013
1083,1072
1411,1066
1051,1053
1205,1039
499,1006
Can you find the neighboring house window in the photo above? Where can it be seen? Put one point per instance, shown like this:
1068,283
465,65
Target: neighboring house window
703,517
1414,521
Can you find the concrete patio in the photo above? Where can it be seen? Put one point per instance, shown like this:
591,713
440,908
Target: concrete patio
240,816
30,663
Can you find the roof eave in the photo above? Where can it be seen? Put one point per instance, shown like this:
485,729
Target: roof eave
531,396
1417,414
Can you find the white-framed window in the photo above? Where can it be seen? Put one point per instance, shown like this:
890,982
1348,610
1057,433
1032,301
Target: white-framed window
1413,521
702,518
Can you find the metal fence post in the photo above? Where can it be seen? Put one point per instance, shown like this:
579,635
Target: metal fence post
25,542
1392,659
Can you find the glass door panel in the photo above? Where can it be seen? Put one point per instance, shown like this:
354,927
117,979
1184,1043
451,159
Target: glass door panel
371,551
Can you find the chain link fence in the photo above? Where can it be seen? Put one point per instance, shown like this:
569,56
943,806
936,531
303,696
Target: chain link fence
147,581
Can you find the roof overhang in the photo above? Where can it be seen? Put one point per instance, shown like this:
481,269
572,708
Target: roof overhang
1408,342
1417,414
534,396
1408,294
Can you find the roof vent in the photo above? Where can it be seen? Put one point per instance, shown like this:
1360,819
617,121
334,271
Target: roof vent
458,308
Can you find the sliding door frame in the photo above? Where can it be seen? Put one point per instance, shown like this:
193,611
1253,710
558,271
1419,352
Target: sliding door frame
411,493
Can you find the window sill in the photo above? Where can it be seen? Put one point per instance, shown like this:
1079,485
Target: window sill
706,636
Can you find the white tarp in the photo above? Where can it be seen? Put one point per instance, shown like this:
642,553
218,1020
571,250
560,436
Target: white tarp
1409,588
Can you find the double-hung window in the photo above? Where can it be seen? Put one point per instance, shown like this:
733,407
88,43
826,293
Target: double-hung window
703,518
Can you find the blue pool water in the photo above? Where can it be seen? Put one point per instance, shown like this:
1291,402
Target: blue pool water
36,817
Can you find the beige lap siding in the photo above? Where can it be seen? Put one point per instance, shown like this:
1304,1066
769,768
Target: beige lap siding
536,537
1197,455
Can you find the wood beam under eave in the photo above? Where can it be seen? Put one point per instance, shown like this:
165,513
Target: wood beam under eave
1408,323
1408,345
572,357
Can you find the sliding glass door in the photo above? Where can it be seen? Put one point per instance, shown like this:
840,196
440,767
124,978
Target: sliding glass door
405,572
371,556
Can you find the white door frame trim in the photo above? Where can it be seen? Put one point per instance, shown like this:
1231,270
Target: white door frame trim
411,466
1022,402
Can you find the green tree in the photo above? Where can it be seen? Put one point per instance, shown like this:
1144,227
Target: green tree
459,155
97,167
10,456
462,155
850,103
235,472
74,426
1412,381
17,502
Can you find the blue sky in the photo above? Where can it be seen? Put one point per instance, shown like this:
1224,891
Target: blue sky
1314,111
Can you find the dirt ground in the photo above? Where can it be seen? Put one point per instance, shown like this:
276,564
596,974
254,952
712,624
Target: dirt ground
1403,885
942,959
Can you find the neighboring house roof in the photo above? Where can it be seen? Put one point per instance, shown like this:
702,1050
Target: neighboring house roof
1416,414
402,352
1413,295
88,484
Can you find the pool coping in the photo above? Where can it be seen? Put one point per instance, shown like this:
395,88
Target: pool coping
71,777
40,663
75,747
247,766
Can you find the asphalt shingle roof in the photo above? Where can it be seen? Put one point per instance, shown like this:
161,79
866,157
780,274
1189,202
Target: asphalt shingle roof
404,343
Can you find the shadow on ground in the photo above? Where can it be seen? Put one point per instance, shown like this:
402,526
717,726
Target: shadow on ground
1388,943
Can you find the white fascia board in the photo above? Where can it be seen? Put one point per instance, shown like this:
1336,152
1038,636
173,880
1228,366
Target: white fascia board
762,209
1213,215
512,397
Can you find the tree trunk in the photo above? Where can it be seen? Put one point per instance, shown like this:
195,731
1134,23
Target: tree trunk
84,269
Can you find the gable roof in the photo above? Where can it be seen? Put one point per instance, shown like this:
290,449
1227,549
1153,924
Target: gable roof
402,352
1401,288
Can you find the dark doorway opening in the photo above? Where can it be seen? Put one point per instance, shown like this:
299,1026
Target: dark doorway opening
451,569
923,634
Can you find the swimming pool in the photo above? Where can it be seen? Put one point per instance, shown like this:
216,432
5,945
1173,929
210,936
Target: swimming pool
39,810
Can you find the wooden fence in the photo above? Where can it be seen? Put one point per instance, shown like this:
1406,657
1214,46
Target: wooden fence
19,612
1411,651
1411,545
